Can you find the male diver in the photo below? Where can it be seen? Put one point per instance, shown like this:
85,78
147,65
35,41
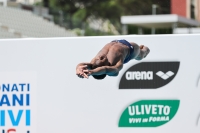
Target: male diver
110,59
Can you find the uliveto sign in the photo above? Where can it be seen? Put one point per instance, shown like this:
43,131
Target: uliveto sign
149,75
149,113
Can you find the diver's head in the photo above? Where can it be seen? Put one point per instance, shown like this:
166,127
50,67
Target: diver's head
100,61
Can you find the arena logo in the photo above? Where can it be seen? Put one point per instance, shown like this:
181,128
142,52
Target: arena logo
149,75
149,113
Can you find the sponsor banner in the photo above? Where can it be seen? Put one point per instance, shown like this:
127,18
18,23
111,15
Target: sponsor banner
149,75
17,102
149,113
153,87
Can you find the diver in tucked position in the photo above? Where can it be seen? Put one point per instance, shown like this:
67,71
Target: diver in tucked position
110,59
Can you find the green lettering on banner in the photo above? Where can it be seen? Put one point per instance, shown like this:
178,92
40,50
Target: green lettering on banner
149,113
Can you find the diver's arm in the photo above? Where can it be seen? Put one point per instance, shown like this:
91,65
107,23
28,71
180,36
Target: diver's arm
109,70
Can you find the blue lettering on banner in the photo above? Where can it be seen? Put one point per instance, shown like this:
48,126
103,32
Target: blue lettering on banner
4,100
2,116
15,87
15,120
28,117
12,95
19,115
27,99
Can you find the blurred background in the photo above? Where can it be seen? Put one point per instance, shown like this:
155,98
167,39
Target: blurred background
70,18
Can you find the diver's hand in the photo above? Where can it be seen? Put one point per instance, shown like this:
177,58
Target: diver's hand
80,71
88,72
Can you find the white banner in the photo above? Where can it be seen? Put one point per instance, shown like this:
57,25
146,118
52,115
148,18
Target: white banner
157,94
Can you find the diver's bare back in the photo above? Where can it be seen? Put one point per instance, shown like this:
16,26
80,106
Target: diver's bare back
114,51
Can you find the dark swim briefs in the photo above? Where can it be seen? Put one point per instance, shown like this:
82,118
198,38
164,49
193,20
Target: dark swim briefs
131,48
